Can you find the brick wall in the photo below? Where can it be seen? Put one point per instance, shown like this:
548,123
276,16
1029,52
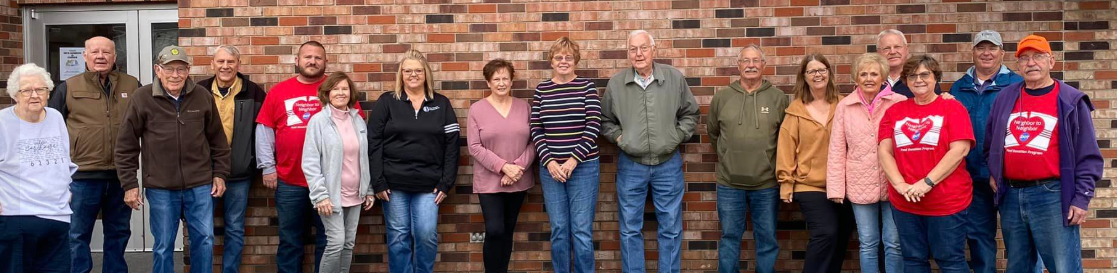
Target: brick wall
11,44
366,37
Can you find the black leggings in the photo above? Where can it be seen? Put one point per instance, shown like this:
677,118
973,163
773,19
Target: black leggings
500,211
830,225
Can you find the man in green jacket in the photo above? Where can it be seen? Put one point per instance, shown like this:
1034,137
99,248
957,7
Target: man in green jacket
743,124
648,111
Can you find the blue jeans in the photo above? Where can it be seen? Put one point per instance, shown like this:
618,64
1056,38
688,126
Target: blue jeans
106,197
296,216
570,207
870,235
167,207
235,201
29,244
1032,219
666,183
733,205
411,219
943,237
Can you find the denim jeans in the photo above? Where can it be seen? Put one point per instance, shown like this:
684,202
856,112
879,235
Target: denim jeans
943,237
292,204
235,202
411,219
106,197
166,208
981,229
341,236
29,244
733,206
666,185
570,208
1032,220
872,229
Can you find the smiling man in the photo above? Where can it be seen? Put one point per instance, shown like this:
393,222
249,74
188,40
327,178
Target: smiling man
238,101
175,125
893,46
93,103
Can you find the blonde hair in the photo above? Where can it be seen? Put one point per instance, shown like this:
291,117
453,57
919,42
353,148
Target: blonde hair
414,55
865,59
566,44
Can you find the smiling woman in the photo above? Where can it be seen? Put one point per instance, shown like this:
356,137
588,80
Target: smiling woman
35,171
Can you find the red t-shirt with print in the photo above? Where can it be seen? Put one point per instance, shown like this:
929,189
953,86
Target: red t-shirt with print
1032,139
921,136
287,110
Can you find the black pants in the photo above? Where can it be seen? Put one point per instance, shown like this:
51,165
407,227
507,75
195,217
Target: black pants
500,211
33,244
830,225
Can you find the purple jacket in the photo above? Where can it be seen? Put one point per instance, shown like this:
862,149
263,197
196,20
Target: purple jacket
1080,160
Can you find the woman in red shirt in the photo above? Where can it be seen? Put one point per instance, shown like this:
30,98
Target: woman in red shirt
922,143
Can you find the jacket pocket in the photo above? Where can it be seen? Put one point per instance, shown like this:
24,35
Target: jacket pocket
87,144
748,167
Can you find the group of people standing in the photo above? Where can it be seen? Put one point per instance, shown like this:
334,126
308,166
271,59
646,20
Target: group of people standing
918,172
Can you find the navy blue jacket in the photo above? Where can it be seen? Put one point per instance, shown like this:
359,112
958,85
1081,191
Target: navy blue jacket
978,103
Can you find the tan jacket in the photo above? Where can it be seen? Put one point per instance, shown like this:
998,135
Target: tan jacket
801,150
93,116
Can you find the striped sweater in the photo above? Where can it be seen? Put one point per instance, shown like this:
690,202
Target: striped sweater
566,120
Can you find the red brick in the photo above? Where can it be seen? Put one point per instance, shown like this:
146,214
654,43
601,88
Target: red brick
1093,5
804,2
292,21
1106,75
942,28
381,19
455,66
440,38
699,53
488,8
367,67
789,12
552,36
263,60
265,40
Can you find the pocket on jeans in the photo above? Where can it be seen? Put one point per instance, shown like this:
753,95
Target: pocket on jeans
1054,186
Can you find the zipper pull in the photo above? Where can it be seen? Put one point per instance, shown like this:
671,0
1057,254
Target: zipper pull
178,116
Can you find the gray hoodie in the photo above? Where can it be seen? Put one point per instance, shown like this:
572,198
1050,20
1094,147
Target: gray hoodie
743,128
323,155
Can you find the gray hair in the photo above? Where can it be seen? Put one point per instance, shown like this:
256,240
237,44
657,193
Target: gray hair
892,31
27,70
230,49
753,47
641,31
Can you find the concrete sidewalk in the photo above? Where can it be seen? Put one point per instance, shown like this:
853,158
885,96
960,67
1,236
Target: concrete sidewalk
138,262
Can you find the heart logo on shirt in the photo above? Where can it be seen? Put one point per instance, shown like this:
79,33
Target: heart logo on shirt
917,130
1025,129
300,109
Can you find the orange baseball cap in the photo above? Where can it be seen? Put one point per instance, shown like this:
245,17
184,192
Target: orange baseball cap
1034,42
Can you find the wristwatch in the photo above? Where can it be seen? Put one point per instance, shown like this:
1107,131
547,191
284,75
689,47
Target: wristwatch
929,182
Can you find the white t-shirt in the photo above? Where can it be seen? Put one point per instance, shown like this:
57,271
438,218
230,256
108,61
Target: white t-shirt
35,166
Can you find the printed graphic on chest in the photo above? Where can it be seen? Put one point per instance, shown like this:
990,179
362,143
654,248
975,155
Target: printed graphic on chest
300,109
915,130
1030,129
910,131
1026,128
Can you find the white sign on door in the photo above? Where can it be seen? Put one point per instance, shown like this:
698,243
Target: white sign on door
71,62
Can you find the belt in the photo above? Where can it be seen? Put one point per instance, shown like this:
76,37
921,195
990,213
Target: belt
1029,183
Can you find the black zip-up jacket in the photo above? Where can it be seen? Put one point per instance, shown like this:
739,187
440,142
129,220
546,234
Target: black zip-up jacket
413,151
248,102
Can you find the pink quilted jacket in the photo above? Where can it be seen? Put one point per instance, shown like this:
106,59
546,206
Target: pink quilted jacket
853,170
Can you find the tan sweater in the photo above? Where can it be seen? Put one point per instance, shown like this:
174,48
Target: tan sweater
801,150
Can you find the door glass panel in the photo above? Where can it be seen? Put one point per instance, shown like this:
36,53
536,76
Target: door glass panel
162,35
60,36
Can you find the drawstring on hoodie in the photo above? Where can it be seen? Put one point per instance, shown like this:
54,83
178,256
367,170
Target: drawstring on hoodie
741,115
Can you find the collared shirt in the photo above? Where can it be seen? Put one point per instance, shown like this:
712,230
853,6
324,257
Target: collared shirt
642,81
892,82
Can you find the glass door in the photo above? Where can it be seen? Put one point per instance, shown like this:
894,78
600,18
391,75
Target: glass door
56,38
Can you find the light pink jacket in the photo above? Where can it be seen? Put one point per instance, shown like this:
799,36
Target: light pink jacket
853,170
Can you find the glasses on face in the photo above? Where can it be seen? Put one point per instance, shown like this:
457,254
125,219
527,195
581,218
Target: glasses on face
413,72
643,48
890,49
1028,59
817,72
564,58
750,61
925,76
41,91
179,70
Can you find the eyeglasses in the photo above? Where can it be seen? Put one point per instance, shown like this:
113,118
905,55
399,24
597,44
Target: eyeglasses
889,49
643,48
1028,59
182,70
413,72
925,76
567,58
818,72
750,61
41,91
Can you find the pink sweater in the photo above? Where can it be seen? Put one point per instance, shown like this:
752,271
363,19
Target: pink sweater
495,140
853,169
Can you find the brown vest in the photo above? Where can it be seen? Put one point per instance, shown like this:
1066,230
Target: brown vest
95,116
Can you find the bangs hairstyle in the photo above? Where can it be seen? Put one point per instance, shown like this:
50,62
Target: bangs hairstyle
331,82
565,44
428,84
866,59
495,66
802,89
926,61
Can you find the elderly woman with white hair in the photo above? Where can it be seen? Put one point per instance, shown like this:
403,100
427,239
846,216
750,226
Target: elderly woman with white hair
35,171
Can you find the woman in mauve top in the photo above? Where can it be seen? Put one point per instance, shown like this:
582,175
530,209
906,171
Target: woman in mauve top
500,143
565,123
